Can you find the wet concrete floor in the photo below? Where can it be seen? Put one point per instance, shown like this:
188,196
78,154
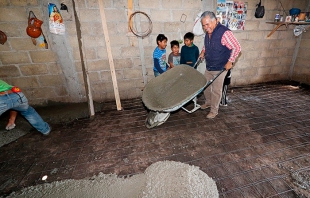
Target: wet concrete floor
255,147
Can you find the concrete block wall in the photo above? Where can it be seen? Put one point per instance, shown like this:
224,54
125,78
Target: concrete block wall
43,76
33,69
301,69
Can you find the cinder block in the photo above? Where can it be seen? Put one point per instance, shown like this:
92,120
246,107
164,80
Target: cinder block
171,26
89,15
43,93
61,91
130,52
93,41
54,68
290,44
70,28
4,3
94,76
260,62
5,47
272,61
305,43
243,35
90,53
24,2
302,62
123,63
9,71
172,4
87,28
26,82
150,4
14,57
119,40
263,71
114,15
134,93
249,71
22,44
249,55
192,4
161,15
13,29
275,44
281,53
13,14
51,80
124,85
107,76
252,25
276,69
43,56
35,69
98,65
267,53
132,73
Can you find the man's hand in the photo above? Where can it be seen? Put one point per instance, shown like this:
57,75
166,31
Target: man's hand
228,65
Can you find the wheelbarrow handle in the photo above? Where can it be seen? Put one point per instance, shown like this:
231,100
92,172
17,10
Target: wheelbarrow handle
199,60
215,77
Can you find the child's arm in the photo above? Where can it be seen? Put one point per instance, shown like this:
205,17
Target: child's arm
157,66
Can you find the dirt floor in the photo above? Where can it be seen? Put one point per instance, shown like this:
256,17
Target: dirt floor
258,146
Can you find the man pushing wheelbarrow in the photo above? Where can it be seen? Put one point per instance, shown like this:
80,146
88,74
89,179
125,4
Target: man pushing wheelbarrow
176,87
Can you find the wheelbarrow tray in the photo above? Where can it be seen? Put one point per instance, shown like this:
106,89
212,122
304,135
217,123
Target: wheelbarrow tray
171,90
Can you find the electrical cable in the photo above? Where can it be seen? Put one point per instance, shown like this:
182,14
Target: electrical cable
134,29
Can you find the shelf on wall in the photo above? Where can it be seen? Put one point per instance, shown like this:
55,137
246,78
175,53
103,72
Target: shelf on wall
279,24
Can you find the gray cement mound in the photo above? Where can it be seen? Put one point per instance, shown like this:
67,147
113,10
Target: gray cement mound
162,179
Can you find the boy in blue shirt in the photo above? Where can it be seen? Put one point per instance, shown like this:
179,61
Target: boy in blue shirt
189,51
159,55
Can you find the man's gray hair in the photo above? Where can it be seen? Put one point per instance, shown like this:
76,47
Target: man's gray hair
208,14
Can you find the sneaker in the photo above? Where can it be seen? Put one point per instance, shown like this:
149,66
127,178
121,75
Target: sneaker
205,106
10,127
211,115
225,105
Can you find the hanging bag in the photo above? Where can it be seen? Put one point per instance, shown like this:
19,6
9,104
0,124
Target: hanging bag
260,10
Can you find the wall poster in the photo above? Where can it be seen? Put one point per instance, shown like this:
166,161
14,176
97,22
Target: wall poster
232,14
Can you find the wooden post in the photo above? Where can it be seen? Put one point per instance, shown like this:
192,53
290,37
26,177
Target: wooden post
107,41
83,62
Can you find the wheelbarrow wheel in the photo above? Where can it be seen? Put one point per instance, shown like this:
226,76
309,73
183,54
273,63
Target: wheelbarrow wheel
155,118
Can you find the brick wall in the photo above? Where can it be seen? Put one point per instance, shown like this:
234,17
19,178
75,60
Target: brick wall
33,69
43,74
301,69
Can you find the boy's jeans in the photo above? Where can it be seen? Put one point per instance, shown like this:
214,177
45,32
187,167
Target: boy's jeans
19,102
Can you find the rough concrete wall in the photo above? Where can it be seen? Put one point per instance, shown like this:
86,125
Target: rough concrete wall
30,67
301,69
265,59
128,55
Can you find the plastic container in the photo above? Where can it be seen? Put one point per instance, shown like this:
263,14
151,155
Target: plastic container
294,11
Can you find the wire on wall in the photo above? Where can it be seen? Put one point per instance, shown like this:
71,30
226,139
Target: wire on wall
133,28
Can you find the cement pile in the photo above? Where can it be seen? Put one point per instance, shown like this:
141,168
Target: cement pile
162,179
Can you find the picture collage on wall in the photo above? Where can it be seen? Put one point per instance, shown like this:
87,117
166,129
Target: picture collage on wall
232,14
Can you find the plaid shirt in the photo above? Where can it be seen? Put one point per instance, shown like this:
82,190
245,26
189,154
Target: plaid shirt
230,41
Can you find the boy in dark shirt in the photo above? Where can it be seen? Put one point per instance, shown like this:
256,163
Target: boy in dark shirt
189,51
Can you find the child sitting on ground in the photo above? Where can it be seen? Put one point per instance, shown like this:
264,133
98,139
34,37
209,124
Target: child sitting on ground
159,55
174,56
189,51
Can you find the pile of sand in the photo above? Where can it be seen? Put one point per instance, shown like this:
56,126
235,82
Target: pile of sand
161,179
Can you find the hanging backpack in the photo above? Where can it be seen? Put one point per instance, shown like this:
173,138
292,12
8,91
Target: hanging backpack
260,10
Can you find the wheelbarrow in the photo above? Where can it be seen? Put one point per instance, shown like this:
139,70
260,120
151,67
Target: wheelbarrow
171,90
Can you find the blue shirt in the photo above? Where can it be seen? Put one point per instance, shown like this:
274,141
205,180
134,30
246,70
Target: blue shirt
159,57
